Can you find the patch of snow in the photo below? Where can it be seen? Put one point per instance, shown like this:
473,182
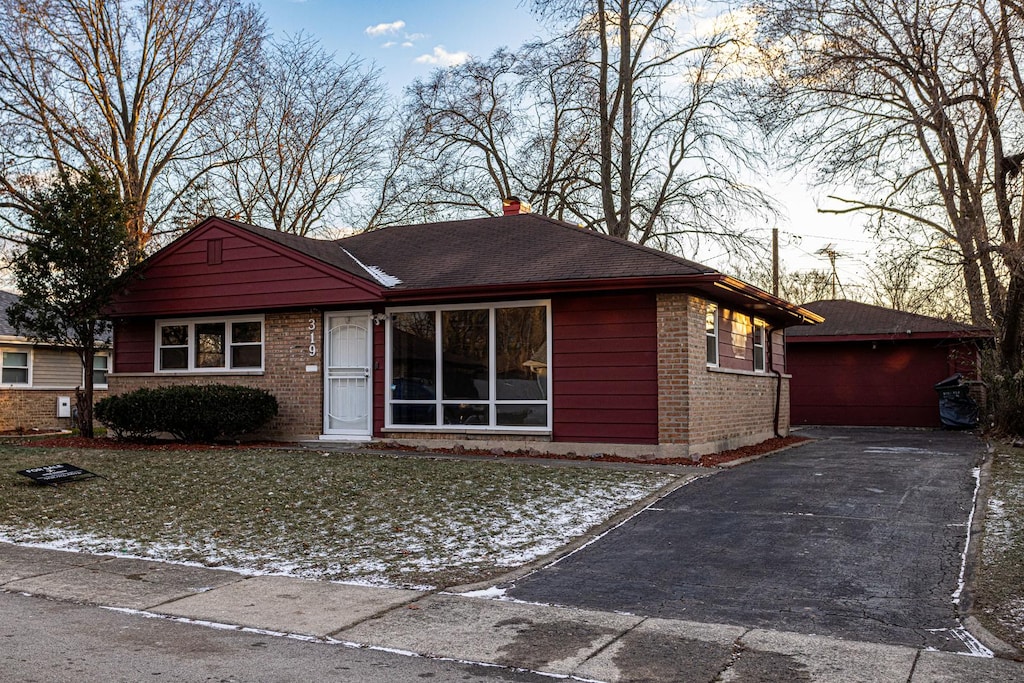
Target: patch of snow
961,580
376,273
974,647
493,593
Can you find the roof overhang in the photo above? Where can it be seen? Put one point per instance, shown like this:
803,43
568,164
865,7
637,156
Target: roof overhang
716,286
980,335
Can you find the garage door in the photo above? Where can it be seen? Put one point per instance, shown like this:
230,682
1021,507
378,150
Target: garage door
855,384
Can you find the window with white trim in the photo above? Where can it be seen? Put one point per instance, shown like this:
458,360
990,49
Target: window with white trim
100,368
15,367
711,332
209,345
480,366
759,335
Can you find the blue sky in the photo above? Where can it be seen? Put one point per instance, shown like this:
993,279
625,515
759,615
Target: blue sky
406,38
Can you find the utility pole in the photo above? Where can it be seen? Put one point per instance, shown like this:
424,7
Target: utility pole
775,261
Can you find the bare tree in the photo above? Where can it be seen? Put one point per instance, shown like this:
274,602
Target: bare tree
127,86
917,105
620,122
307,133
671,144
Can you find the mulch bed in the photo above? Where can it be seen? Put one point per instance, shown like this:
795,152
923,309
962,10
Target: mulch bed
710,460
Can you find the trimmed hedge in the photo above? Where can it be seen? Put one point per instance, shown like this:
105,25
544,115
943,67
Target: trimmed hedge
191,413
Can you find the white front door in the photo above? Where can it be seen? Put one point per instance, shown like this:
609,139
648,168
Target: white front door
348,405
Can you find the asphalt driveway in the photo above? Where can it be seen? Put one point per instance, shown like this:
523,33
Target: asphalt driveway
859,534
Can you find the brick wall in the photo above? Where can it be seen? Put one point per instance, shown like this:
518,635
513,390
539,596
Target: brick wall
286,354
35,408
703,409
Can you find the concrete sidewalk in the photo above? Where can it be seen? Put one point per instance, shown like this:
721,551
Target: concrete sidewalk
592,645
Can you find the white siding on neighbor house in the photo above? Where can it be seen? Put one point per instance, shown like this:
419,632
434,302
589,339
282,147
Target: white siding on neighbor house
52,368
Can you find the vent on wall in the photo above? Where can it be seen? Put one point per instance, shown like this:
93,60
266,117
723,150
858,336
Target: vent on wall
214,252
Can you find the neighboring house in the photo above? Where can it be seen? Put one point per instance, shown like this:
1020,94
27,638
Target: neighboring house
869,365
38,381
501,331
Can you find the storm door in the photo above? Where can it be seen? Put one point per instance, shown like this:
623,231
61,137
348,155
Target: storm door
347,400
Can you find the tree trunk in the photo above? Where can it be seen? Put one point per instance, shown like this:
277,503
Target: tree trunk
84,399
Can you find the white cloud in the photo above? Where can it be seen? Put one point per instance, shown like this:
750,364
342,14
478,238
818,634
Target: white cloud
442,57
408,43
390,43
385,29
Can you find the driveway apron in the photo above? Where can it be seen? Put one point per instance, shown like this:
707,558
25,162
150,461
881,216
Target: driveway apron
859,534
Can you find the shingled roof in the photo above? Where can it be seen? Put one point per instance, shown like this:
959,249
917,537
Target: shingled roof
518,255
6,299
854,319
484,252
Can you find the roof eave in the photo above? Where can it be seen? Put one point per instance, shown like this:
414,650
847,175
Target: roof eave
719,287
891,336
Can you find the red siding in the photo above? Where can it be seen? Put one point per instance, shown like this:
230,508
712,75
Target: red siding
254,274
855,384
605,369
134,345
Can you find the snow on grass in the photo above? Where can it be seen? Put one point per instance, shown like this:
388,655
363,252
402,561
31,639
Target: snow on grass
378,520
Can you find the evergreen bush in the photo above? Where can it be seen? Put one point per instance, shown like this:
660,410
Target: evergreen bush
190,413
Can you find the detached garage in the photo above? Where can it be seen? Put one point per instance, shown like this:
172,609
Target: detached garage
873,366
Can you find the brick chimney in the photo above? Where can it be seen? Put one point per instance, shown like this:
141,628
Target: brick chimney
511,206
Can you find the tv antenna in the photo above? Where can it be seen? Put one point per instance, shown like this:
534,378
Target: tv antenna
829,251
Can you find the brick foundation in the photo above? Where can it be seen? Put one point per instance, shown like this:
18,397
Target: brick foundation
28,409
701,409
286,354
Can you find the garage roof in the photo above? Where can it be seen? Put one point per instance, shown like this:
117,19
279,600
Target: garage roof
852,319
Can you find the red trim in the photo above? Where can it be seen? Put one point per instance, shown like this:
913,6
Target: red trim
721,288
915,336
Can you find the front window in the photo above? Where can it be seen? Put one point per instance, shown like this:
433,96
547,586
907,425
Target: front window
15,367
474,366
100,367
210,345
759,345
711,332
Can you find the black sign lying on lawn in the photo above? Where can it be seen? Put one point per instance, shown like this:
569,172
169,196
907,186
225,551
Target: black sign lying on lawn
51,474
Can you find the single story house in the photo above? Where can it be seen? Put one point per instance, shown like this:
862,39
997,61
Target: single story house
502,331
38,381
870,365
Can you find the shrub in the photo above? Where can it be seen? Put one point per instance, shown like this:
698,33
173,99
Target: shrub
190,413
1005,397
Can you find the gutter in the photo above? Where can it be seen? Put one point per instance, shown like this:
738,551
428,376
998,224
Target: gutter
712,284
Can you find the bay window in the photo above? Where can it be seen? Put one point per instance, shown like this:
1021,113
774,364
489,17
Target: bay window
470,367
209,345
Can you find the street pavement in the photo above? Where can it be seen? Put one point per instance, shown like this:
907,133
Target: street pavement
859,534
583,642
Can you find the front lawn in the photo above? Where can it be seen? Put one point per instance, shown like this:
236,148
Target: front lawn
379,519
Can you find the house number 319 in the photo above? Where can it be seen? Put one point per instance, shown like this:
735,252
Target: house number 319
312,337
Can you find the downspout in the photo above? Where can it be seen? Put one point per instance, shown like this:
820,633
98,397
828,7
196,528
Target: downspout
778,379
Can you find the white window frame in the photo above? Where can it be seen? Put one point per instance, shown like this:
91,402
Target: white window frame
492,401
28,367
760,351
712,310
99,354
191,323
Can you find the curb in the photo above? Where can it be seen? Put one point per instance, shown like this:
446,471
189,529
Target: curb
1000,648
